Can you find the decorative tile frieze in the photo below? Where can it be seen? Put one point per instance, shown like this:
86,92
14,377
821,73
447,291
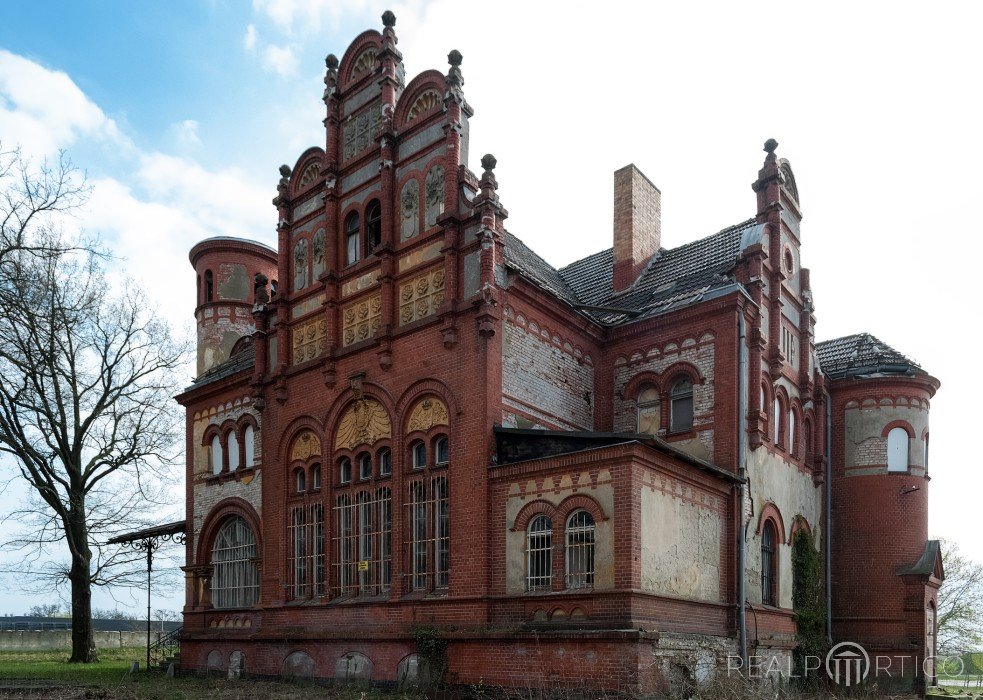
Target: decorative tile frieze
310,340
361,320
421,296
359,283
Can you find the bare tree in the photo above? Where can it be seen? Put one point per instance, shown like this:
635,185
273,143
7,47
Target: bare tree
86,416
47,610
960,602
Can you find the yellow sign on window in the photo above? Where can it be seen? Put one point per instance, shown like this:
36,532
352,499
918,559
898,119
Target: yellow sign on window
363,565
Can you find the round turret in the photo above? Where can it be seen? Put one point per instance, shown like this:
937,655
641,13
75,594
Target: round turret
226,269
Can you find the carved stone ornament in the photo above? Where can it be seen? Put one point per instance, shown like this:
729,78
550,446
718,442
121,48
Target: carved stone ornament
318,253
300,264
428,100
435,195
410,208
426,414
306,445
364,422
310,174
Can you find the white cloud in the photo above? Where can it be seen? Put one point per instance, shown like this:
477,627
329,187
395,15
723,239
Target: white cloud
185,133
280,60
43,110
249,40
309,15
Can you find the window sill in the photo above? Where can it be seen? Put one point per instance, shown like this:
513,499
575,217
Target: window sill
225,476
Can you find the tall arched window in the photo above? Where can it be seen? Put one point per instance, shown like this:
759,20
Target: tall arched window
681,405
442,450
233,447
580,550
363,543
648,409
235,576
539,554
209,286
249,438
926,452
217,465
791,434
779,419
351,239
373,226
769,564
897,450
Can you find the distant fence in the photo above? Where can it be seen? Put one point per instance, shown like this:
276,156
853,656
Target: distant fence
30,640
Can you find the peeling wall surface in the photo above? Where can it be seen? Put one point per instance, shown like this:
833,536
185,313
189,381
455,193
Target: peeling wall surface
219,328
793,492
681,542
554,490
865,444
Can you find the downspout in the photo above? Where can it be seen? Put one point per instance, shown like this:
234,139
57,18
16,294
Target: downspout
742,398
829,526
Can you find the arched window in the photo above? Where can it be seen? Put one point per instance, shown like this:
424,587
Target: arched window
779,422
808,448
442,450
648,409
385,458
429,523
373,226
235,576
345,470
351,238
418,455
365,466
769,564
363,543
217,455
209,286
233,448
316,477
681,406
791,434
249,439
580,550
539,553
926,452
300,481
897,450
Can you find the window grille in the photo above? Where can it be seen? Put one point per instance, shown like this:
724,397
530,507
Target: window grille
429,532
363,543
235,576
306,558
539,549
681,406
768,564
580,550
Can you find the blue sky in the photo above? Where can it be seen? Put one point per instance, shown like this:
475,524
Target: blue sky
182,111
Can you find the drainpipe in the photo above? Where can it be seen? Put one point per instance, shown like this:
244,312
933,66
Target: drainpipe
742,398
829,512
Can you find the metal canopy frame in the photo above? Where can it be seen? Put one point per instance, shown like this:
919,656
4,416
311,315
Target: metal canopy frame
149,540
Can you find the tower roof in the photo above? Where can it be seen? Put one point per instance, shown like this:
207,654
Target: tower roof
862,353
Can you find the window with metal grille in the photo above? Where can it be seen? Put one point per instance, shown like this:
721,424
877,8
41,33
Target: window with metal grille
769,565
428,519
363,543
539,554
580,550
306,554
681,406
235,576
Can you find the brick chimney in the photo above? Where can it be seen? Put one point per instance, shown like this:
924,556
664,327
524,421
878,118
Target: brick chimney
637,224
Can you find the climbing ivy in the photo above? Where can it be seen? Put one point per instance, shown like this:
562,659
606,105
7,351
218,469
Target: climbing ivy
808,604
432,649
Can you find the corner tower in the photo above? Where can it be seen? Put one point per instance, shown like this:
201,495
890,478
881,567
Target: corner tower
885,571
226,268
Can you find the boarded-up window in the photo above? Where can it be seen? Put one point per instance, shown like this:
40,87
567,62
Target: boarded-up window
897,450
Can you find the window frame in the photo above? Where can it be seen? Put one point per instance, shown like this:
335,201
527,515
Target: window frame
681,398
242,569
373,226
353,231
580,557
539,553
769,573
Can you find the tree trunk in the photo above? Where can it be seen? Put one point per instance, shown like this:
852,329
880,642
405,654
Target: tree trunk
83,642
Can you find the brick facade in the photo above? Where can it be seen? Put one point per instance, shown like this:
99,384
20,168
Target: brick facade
398,315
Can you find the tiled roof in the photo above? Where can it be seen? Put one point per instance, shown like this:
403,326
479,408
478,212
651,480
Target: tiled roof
673,278
240,362
861,354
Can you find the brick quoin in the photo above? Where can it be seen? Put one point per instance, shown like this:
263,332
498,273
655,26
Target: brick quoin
444,325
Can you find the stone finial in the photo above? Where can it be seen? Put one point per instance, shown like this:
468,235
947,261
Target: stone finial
331,62
388,19
771,145
454,76
488,162
331,76
284,175
259,288
488,182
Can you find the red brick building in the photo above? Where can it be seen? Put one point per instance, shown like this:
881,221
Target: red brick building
406,422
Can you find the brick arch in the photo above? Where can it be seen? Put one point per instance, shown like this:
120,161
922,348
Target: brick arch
367,39
530,511
580,501
225,427
222,511
294,429
672,372
419,389
799,522
634,385
314,154
427,80
771,512
905,425
370,390
210,432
